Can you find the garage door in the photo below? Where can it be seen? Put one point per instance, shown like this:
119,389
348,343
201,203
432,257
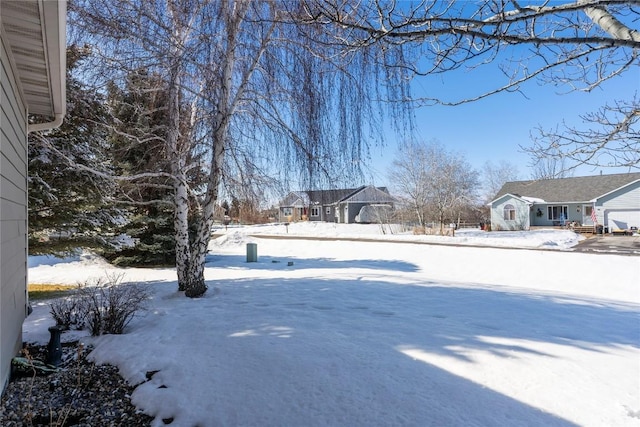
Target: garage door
622,219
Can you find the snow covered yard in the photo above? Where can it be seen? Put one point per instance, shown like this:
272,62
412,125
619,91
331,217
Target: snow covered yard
381,334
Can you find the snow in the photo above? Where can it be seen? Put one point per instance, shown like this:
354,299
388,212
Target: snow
533,199
356,332
541,239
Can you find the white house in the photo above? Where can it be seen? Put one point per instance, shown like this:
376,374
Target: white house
613,201
32,81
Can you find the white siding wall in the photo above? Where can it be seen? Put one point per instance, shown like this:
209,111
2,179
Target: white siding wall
13,215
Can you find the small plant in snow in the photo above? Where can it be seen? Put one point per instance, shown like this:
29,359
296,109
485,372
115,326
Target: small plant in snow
69,312
103,305
111,305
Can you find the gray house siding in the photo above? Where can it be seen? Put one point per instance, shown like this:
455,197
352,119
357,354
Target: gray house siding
32,80
370,195
340,205
349,211
13,214
326,213
350,207
620,209
329,213
573,213
315,213
521,219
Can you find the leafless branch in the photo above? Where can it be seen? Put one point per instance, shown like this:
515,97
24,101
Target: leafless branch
612,138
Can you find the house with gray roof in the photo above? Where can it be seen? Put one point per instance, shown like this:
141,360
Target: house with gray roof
337,205
32,81
612,201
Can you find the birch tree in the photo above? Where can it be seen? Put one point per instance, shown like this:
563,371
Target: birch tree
572,45
609,137
247,88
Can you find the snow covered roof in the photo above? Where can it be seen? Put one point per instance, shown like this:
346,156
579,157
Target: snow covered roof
533,199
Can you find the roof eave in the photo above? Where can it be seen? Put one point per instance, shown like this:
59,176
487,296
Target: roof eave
55,23
36,34
510,195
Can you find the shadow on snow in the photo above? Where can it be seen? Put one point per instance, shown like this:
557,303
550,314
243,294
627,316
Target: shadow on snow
276,263
357,331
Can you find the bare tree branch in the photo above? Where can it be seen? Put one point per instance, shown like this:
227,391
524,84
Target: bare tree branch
574,45
610,139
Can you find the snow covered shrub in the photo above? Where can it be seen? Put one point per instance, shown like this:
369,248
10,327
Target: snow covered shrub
110,305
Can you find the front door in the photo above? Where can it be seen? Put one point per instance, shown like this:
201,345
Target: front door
586,215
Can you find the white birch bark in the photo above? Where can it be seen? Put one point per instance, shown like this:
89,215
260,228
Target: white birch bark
225,105
181,196
610,24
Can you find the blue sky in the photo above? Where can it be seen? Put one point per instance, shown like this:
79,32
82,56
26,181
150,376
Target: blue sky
495,128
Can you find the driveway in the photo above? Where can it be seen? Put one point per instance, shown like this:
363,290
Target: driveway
624,245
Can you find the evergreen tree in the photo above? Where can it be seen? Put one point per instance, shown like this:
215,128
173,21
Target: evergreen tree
136,146
69,195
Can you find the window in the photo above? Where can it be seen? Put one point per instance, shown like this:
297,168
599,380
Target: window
315,211
287,211
509,213
557,213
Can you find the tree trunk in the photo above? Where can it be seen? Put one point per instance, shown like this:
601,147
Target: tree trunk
181,226
178,155
195,286
420,216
